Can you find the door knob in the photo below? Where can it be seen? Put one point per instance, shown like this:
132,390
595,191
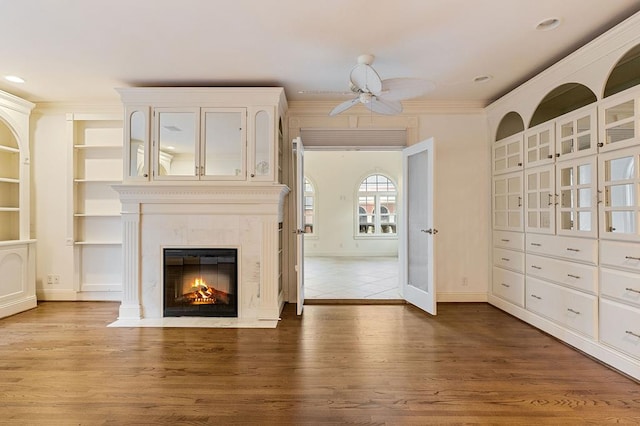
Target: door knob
430,231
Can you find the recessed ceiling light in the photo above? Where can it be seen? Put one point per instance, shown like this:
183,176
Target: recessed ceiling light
548,24
482,78
14,79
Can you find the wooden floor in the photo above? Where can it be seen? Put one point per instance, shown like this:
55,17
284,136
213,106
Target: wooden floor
472,364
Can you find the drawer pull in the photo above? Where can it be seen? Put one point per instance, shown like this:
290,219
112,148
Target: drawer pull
633,334
504,241
536,297
575,312
573,276
536,244
535,267
505,259
632,258
632,289
505,285
572,249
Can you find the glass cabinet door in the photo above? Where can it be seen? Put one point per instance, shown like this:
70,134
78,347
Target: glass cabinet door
576,134
262,146
223,147
539,200
136,153
507,202
177,137
620,186
539,145
618,123
507,154
576,186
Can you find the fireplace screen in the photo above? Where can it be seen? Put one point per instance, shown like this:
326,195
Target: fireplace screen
200,282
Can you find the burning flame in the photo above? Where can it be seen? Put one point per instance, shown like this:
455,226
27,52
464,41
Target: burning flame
201,293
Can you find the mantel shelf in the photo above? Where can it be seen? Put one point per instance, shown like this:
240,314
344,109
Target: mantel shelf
98,243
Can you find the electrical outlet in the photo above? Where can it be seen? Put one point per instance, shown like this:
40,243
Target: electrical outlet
49,279
56,279
465,281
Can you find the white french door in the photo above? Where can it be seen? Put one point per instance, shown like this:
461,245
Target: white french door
417,230
298,172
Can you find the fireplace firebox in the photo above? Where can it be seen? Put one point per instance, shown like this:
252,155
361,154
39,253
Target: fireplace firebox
200,282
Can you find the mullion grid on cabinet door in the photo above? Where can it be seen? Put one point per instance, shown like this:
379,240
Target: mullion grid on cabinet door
539,200
576,185
539,145
618,120
507,154
507,202
620,184
576,134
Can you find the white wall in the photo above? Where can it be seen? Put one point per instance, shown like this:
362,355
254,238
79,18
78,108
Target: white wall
461,205
50,184
337,175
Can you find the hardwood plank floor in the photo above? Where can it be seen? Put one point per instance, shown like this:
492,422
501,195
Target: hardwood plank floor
472,364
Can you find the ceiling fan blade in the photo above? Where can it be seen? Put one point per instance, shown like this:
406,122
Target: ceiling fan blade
384,106
344,106
397,89
366,79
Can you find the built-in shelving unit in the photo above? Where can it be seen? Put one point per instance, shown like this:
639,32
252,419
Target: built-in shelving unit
576,277
17,249
95,225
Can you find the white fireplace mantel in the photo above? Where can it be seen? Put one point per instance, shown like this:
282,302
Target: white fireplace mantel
195,214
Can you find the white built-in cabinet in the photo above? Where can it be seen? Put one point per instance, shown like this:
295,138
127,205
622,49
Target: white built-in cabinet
94,228
569,255
230,139
17,249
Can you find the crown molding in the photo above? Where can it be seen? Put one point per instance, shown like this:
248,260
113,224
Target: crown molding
95,107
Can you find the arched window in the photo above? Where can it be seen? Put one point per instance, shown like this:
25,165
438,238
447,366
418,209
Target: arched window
377,206
309,207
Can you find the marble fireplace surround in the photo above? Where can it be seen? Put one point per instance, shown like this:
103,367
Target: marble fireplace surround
178,215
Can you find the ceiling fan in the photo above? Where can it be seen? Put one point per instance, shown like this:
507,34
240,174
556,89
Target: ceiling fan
380,96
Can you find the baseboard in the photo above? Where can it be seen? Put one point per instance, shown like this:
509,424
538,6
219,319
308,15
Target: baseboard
66,295
17,306
461,297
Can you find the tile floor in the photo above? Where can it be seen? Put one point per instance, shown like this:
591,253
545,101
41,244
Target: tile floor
351,278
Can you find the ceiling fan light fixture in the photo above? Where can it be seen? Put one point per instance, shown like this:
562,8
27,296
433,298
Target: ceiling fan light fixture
548,24
365,98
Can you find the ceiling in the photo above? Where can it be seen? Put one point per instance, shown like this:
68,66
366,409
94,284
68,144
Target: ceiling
80,50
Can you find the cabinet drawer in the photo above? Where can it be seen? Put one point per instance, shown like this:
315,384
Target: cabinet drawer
620,255
576,275
508,285
620,327
508,240
508,259
624,286
569,308
578,249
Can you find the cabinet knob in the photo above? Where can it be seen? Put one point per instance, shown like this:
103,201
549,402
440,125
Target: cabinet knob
600,145
253,175
146,175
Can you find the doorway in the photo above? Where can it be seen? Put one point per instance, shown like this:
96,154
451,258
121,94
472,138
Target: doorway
351,200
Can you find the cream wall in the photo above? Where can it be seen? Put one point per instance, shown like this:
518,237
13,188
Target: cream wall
337,175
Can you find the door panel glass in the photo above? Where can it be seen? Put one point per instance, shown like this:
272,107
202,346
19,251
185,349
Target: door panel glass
137,143
620,133
619,112
584,174
566,176
620,169
623,222
584,124
417,250
584,197
566,130
223,143
177,143
621,196
584,142
584,221
262,164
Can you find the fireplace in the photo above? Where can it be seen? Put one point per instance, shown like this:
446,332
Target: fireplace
201,282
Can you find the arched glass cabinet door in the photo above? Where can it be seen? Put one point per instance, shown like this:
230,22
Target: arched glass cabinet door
137,144
262,167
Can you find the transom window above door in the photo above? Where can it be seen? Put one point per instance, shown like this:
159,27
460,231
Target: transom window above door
376,210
